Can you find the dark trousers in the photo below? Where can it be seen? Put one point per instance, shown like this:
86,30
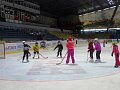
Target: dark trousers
91,54
98,54
59,53
25,54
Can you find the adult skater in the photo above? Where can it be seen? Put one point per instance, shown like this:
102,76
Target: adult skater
70,50
91,50
60,48
116,53
36,50
98,50
26,52
104,42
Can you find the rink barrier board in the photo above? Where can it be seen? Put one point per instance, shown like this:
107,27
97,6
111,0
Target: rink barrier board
12,48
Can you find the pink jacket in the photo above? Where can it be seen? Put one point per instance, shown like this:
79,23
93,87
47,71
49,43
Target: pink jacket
70,45
97,46
115,49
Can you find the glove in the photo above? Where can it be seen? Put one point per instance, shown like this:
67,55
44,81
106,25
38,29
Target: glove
117,54
112,54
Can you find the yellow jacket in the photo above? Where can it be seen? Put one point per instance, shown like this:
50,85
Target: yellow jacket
36,48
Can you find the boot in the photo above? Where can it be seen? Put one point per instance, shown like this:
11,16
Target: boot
91,61
27,60
96,61
99,60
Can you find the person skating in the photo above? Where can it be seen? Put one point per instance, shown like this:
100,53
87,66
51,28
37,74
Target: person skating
36,49
104,43
26,52
91,50
60,48
70,50
98,50
115,51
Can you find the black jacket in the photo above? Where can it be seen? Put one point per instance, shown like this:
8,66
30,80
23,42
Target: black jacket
59,46
26,47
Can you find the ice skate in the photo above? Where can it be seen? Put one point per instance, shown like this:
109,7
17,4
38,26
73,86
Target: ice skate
98,61
27,60
116,66
91,61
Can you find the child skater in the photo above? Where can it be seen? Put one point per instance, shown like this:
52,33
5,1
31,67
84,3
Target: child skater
26,52
70,50
91,50
98,50
60,48
116,53
36,50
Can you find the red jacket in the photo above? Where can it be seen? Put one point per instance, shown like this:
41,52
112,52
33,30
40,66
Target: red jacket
90,47
70,45
115,49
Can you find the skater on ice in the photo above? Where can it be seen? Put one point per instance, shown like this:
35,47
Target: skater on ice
70,50
115,51
91,50
98,50
26,52
36,50
104,42
60,48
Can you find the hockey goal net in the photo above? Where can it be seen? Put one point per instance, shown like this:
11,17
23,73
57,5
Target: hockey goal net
2,50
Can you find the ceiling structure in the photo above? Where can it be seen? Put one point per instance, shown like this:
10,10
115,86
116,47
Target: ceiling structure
70,7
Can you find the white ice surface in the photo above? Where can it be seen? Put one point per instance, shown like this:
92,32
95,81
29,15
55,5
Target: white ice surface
47,70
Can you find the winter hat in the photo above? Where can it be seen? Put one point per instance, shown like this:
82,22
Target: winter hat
36,42
23,41
58,41
114,43
96,39
69,39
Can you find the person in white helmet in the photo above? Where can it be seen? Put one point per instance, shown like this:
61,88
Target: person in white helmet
26,52
98,50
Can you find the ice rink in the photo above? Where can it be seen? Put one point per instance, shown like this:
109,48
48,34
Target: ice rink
45,72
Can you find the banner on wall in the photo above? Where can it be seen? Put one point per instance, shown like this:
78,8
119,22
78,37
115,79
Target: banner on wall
17,47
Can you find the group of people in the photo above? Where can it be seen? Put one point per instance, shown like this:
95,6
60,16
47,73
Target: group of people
26,52
70,50
93,45
69,45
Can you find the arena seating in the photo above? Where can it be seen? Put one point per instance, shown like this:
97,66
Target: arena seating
22,34
61,35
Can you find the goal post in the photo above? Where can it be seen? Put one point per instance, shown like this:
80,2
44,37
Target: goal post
2,50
